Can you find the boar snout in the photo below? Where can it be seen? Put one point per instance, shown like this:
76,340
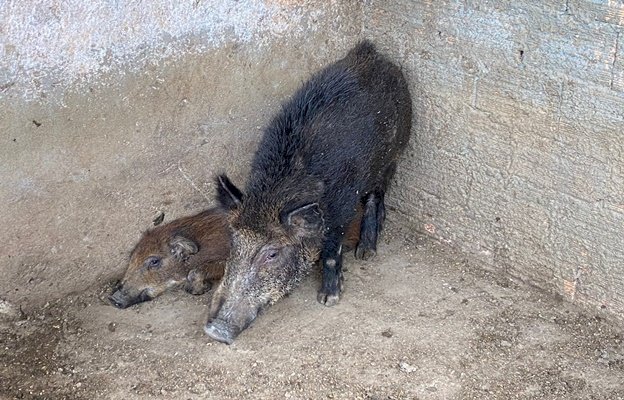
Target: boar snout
122,299
229,321
118,299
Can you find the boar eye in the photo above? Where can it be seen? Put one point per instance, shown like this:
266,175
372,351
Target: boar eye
152,262
271,254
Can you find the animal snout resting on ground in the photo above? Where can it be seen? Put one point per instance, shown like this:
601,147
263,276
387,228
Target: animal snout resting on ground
332,149
123,298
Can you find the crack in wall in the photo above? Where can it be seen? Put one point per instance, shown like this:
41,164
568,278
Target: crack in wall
615,57
474,91
560,105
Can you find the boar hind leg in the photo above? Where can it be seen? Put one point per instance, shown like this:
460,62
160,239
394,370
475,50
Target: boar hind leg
197,282
372,223
332,278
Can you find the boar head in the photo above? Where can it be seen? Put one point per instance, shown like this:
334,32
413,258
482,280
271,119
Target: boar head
157,263
276,238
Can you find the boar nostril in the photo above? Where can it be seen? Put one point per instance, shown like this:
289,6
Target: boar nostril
116,302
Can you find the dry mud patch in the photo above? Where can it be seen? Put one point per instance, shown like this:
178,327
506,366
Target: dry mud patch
418,322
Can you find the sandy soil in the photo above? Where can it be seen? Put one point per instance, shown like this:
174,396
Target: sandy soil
419,322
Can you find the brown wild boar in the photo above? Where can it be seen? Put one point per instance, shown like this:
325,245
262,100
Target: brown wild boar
189,252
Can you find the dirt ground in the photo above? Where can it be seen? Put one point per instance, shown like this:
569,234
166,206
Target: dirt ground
419,322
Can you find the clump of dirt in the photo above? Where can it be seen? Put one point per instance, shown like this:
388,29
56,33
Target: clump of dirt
418,322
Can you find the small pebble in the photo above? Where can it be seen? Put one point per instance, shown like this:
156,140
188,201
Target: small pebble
387,333
405,367
112,327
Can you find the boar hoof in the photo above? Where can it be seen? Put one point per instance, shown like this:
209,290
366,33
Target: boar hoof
328,300
363,253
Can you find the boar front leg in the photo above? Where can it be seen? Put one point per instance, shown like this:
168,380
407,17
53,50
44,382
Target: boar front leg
331,259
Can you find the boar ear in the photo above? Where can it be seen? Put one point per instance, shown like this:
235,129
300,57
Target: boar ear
305,221
182,248
228,195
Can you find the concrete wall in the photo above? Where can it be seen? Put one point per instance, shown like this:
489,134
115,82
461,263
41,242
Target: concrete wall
518,150
112,111
115,110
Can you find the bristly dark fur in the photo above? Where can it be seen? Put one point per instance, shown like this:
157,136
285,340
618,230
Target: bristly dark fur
327,140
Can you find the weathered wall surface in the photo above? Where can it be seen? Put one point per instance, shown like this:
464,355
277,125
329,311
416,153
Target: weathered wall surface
114,110
518,150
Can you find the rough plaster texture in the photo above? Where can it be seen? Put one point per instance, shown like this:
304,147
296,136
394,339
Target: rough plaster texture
113,110
50,43
518,153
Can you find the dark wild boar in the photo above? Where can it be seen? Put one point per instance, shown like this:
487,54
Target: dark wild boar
188,252
334,145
